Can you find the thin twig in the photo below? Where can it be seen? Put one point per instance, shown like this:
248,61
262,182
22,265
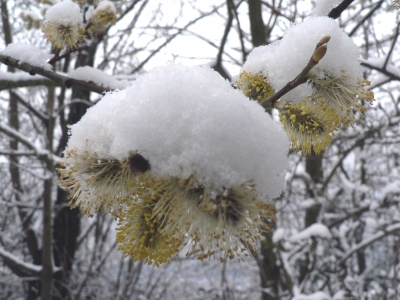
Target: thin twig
337,11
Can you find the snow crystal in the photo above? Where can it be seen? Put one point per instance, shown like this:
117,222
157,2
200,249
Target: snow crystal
28,54
323,7
315,230
99,77
65,11
188,120
281,61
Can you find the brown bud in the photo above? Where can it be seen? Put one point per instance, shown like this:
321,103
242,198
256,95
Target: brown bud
319,53
138,163
324,40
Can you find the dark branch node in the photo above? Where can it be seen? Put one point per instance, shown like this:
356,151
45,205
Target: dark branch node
68,83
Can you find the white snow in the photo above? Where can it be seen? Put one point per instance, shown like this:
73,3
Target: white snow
278,235
102,6
390,188
188,120
99,77
371,225
339,295
323,7
90,12
307,203
65,11
106,5
20,76
315,296
314,230
28,54
283,60
25,265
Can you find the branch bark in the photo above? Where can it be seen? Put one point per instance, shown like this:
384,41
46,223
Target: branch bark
301,78
337,11
12,84
19,267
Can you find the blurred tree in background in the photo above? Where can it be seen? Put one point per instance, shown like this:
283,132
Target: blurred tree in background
337,233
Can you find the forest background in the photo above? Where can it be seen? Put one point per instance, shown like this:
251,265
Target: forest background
337,233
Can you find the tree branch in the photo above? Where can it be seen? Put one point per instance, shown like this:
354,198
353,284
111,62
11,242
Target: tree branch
57,78
145,61
218,64
387,231
19,267
337,11
41,153
42,116
318,54
384,71
12,84
368,16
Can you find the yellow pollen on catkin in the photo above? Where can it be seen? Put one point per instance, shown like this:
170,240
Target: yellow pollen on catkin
96,183
255,87
62,34
226,225
140,234
343,94
101,19
309,125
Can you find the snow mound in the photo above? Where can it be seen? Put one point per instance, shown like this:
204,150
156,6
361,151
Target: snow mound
188,121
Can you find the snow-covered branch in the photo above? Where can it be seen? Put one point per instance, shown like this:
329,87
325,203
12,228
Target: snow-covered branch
57,78
15,134
387,231
42,116
17,153
301,78
18,266
35,81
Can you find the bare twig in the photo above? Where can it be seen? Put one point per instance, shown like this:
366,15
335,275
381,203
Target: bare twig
367,16
337,11
382,70
172,37
395,37
42,116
